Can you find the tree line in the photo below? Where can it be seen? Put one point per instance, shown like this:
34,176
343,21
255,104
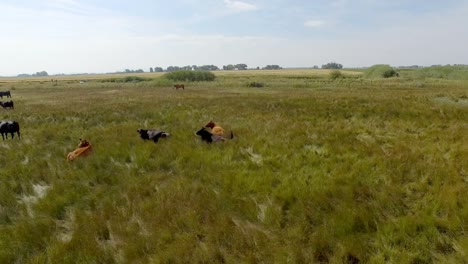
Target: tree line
229,67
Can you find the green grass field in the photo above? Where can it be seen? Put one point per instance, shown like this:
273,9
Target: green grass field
320,171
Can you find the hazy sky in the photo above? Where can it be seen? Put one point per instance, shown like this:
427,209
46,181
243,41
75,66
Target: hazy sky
73,36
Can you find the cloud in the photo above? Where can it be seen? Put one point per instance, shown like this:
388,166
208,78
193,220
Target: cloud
239,5
314,23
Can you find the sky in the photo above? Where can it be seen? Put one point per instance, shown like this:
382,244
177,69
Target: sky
84,36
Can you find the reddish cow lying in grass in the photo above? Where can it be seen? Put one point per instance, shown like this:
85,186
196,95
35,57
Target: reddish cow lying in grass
209,137
83,149
215,129
152,134
11,127
7,104
177,86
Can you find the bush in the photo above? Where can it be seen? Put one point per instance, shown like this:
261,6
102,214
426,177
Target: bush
127,79
380,71
255,84
390,73
335,74
193,76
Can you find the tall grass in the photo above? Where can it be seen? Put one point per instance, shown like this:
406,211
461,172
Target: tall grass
320,171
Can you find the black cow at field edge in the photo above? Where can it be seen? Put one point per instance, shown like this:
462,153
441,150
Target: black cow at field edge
9,127
7,104
7,94
152,134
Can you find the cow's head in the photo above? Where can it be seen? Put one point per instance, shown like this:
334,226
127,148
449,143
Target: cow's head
210,124
83,143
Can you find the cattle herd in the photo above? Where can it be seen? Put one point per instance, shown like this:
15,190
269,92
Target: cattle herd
209,133
8,127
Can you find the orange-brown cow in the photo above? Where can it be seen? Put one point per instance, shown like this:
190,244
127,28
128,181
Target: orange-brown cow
83,149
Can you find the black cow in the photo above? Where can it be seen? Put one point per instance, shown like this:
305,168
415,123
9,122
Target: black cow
210,137
7,104
152,134
9,127
7,94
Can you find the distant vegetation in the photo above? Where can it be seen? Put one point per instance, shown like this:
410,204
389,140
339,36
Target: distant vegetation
127,79
332,65
380,71
37,74
448,72
193,76
255,84
335,74
231,67
272,67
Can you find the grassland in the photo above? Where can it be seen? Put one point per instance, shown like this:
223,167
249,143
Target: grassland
320,171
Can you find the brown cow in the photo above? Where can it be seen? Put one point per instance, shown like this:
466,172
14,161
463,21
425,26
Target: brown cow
177,86
83,149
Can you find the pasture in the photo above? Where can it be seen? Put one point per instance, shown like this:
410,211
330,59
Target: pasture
320,171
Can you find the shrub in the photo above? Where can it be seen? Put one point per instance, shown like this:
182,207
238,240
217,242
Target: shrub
134,79
335,74
380,71
127,79
389,73
255,84
193,76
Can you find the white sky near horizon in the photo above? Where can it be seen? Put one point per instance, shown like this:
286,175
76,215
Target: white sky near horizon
84,36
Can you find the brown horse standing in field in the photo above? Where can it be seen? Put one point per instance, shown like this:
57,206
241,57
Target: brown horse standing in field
177,86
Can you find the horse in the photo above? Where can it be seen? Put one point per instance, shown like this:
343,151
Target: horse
11,127
7,104
177,86
83,149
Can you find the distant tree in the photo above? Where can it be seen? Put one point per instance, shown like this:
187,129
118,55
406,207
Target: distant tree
332,65
158,69
139,71
208,68
316,67
173,68
151,69
228,67
241,66
187,68
40,74
272,67
194,67
24,75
